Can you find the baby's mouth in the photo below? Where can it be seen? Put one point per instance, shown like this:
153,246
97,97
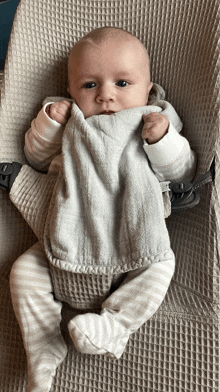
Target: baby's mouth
108,112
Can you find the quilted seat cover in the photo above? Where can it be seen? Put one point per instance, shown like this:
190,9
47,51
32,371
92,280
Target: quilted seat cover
178,349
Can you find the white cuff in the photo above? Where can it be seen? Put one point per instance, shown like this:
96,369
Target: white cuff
167,149
49,129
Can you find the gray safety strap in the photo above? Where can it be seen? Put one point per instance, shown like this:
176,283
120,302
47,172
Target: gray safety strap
184,194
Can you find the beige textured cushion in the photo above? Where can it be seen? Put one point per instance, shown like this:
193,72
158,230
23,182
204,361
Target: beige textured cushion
177,350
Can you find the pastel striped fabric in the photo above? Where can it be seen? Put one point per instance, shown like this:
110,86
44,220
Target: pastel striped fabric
39,314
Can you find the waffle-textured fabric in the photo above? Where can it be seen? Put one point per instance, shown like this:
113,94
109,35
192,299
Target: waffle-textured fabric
178,349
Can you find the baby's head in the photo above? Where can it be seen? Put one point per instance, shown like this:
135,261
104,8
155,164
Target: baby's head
109,71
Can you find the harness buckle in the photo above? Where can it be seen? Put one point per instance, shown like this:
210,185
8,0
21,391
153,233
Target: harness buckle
8,173
183,195
5,170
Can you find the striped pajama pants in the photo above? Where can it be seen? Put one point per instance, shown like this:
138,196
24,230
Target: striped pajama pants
39,314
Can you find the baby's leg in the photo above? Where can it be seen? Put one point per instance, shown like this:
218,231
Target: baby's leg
126,309
39,317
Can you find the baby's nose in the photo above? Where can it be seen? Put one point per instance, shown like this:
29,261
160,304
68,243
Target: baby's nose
105,94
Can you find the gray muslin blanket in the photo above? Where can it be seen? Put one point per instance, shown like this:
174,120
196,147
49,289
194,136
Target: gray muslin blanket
106,213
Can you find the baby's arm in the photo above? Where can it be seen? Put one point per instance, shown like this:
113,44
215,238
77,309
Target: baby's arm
169,153
43,140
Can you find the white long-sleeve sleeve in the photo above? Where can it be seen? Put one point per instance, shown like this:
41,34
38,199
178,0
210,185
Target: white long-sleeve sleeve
172,158
43,140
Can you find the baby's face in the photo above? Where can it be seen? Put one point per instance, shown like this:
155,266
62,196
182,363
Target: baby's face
108,78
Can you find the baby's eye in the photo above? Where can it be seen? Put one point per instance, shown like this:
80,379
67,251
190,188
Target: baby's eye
122,83
90,85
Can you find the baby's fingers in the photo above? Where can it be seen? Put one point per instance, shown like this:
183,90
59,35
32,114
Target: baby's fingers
149,118
155,127
63,108
60,111
148,132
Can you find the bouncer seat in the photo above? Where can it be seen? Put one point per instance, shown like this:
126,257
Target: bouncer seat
177,350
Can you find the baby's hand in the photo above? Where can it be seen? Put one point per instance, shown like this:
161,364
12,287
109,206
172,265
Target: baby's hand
155,127
59,111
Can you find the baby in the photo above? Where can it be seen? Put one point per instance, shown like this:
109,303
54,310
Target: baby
109,83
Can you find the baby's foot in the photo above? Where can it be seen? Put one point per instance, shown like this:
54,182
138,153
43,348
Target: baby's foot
98,334
42,365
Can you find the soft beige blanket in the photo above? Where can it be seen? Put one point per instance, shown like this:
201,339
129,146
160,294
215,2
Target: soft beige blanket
106,213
